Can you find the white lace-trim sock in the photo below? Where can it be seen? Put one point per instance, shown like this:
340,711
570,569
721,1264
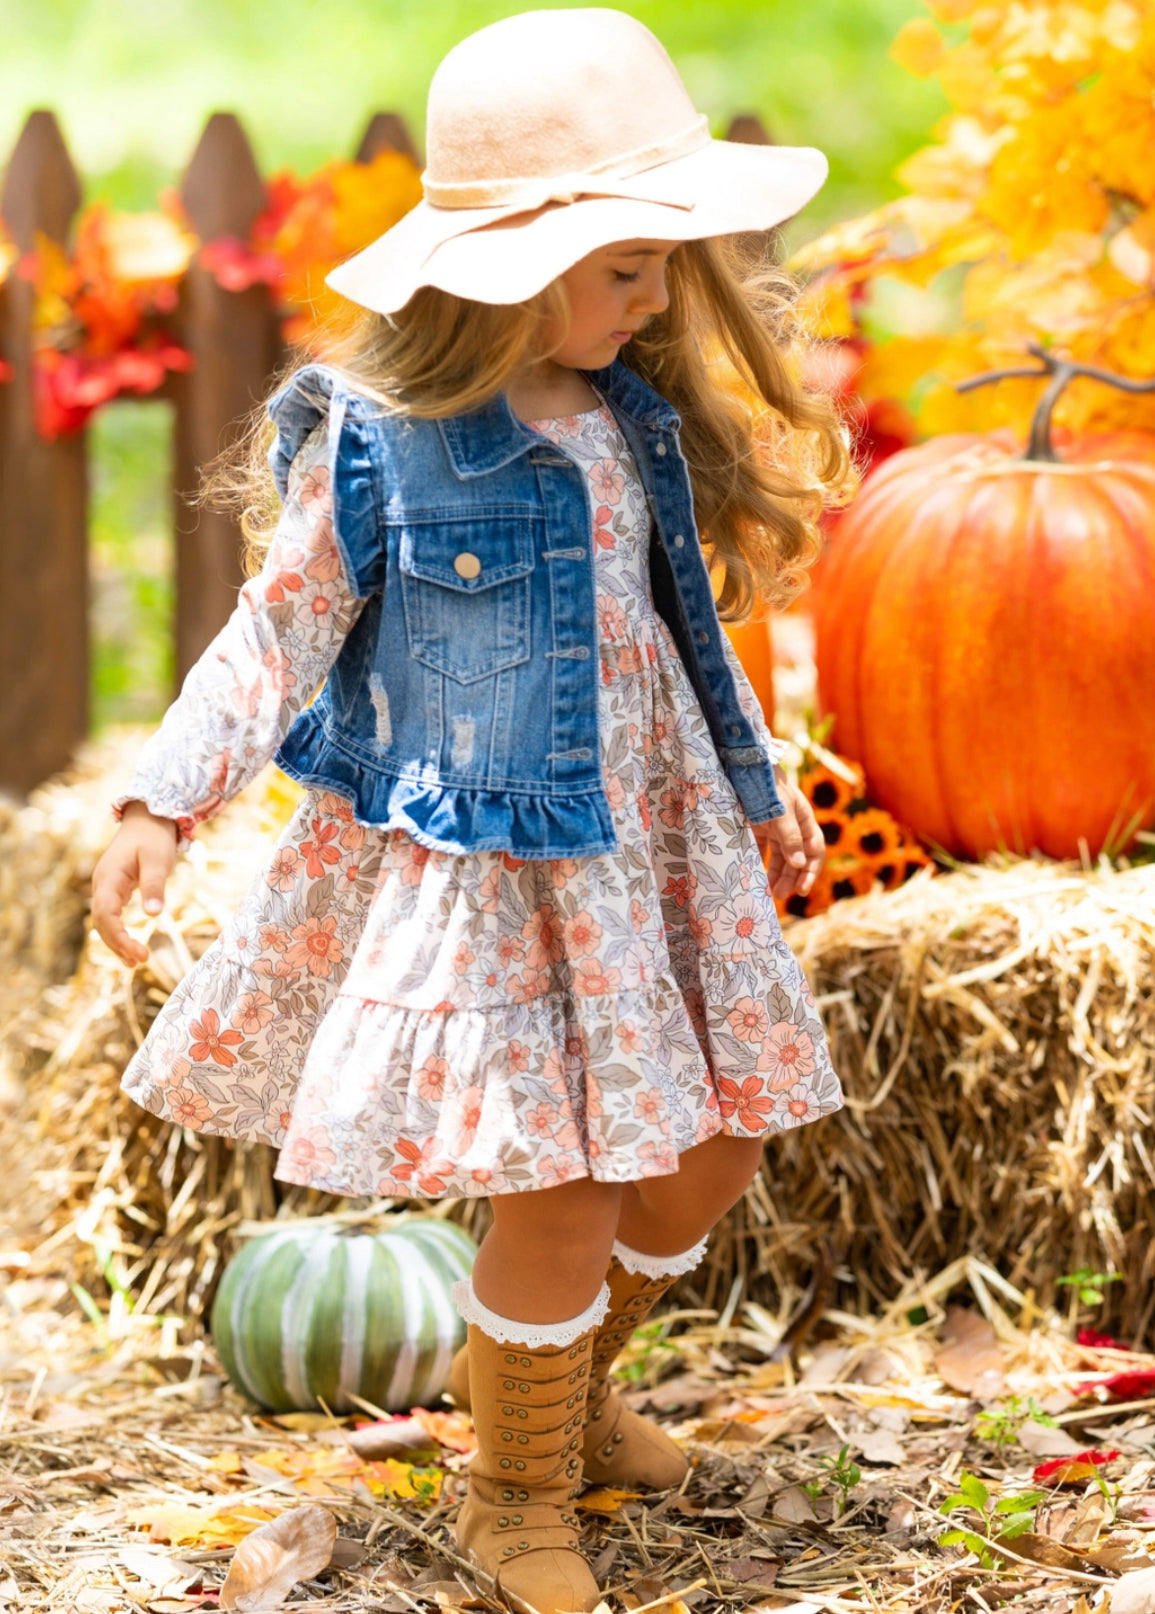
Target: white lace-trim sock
509,1332
659,1266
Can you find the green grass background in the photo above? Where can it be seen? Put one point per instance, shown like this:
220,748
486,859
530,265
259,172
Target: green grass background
132,82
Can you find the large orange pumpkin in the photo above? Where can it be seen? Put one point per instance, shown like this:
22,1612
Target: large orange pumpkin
986,637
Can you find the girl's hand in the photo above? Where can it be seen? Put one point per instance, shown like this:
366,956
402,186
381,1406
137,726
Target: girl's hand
142,853
797,849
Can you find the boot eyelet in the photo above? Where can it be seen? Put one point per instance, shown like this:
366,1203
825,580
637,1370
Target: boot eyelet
594,1416
523,1440
507,1384
572,1377
525,1362
519,1464
505,1462
522,1413
517,1519
523,1388
618,1439
507,1412
508,1552
523,1496
523,1546
507,1496
506,1434
512,1359
572,1354
503,1523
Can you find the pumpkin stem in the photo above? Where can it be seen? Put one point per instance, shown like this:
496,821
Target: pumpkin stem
1061,372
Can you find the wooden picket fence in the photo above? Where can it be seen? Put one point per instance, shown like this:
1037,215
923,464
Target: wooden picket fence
235,342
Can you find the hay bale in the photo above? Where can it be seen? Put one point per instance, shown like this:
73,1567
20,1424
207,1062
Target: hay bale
994,1029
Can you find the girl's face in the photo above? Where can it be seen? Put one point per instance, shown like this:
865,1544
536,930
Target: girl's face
612,293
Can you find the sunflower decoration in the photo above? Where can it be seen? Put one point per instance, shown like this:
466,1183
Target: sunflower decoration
865,846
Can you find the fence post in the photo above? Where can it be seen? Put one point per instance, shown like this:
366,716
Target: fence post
44,527
386,131
234,339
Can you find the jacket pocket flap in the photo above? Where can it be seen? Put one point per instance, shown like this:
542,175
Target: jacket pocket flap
470,555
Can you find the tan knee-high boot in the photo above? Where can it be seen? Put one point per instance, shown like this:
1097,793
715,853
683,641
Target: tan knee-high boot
619,1447
517,1521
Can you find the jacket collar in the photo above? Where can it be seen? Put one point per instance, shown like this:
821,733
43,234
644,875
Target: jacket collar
491,436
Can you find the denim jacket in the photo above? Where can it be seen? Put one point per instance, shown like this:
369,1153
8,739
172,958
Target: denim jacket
463,705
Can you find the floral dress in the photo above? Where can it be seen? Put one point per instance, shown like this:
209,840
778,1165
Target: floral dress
401,1021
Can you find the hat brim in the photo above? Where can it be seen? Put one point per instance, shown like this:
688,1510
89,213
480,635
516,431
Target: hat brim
732,188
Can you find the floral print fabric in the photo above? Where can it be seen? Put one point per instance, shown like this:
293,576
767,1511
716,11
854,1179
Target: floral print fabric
401,1021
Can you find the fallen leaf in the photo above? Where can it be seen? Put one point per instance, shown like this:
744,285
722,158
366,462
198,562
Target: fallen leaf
395,1437
1040,1440
902,1517
181,1525
880,1446
752,1571
226,1462
305,1423
268,1563
158,1571
1117,1559
825,1366
1045,1550
970,1359
1089,1519
451,1429
794,1506
1134,1593
604,1499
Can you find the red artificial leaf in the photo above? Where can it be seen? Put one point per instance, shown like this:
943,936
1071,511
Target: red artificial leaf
235,266
1127,1386
1099,1342
1072,1470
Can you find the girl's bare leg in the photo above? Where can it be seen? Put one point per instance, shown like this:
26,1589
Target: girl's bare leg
544,1260
667,1215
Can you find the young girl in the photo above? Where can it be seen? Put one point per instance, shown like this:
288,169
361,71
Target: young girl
518,940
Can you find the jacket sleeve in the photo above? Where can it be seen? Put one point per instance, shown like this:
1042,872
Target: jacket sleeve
266,663
750,704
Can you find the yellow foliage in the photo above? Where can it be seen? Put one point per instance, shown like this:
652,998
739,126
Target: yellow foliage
919,47
1039,187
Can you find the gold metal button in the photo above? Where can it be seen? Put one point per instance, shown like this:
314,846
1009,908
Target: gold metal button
467,565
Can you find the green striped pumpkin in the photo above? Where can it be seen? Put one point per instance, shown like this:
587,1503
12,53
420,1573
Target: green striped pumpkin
311,1312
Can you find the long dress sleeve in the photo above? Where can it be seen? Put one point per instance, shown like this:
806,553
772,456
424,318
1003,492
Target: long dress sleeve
750,704
263,667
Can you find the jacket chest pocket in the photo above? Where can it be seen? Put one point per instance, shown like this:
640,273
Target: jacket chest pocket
466,588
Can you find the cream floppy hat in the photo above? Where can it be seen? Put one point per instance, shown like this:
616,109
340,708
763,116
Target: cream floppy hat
553,133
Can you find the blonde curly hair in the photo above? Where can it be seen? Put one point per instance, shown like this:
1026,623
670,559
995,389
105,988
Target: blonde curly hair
766,455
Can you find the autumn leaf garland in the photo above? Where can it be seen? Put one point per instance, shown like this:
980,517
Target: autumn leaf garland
103,305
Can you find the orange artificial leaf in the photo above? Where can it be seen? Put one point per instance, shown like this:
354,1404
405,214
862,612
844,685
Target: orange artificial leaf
919,47
604,1499
271,1560
453,1430
226,1462
371,197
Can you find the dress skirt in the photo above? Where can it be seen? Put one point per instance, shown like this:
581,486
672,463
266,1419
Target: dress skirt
402,1021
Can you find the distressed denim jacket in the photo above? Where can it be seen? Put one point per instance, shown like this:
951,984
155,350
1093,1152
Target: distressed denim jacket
463,705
